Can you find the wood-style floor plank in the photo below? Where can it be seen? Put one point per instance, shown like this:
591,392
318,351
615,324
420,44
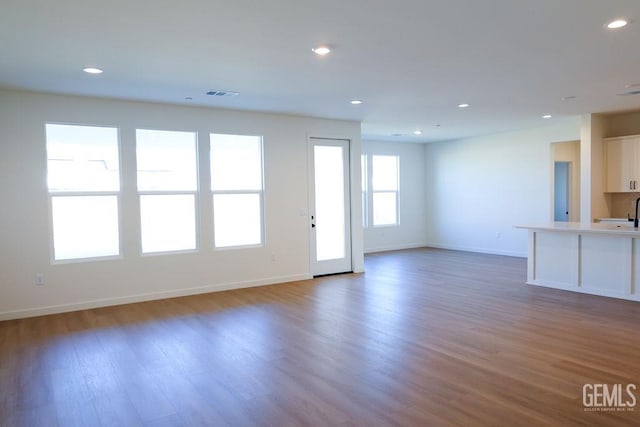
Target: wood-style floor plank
424,337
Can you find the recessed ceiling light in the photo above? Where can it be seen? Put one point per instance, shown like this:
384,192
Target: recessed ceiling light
92,70
463,105
396,134
618,23
356,102
417,132
188,98
569,97
547,116
321,50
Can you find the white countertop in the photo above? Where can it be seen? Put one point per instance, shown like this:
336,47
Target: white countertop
625,229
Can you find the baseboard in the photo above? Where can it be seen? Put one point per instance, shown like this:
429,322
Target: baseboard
395,248
478,250
105,302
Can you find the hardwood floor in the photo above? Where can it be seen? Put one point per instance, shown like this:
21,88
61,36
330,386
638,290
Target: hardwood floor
425,337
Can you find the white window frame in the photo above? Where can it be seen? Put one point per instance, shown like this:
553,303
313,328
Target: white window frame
79,194
370,192
195,193
364,174
260,194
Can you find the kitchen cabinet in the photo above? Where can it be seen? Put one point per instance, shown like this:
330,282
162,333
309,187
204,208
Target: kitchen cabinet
622,164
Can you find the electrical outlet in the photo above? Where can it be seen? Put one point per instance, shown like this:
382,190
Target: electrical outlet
273,257
39,279
498,235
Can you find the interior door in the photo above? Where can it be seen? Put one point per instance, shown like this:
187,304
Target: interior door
329,206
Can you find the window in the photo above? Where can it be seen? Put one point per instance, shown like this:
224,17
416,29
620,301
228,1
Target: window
83,178
167,186
384,187
237,187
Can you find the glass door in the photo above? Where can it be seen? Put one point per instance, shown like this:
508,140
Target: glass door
330,206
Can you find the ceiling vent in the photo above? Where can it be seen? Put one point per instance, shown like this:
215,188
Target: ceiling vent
222,93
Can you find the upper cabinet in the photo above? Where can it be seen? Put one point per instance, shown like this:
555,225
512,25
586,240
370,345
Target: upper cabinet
622,164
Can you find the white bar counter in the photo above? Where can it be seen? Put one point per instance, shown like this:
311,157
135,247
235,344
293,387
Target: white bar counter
600,259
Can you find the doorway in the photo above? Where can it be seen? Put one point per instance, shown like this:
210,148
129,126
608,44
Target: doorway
562,191
329,206
565,181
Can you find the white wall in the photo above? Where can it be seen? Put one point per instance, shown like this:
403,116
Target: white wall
412,231
24,217
592,133
479,188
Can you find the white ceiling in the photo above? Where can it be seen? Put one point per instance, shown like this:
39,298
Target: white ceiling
410,61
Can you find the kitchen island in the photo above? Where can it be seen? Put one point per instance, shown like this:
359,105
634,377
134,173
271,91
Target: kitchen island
600,259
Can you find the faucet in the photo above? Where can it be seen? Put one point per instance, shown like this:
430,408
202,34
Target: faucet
635,218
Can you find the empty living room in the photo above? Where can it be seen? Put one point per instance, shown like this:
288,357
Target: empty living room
298,213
